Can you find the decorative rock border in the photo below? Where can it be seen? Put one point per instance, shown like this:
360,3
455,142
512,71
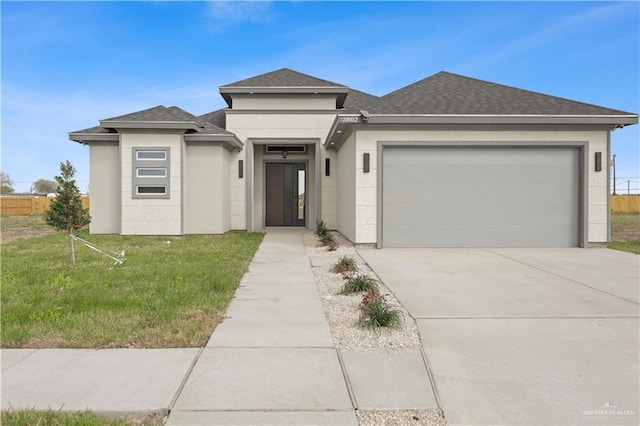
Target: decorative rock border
342,313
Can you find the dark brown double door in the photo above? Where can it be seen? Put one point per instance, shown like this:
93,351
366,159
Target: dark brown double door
285,194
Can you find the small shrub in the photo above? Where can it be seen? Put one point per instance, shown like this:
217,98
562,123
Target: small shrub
321,228
344,264
327,239
358,284
378,313
369,296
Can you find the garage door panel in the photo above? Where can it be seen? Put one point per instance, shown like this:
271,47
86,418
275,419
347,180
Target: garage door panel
478,214
516,175
476,194
480,197
524,156
454,236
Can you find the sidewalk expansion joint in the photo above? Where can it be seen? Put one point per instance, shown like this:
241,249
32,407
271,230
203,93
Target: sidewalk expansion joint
352,395
184,380
563,277
22,360
432,379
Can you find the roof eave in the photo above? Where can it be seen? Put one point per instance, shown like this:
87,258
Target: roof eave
231,142
164,125
83,138
340,91
345,122
613,120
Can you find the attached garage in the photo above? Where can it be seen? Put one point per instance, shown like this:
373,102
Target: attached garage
481,196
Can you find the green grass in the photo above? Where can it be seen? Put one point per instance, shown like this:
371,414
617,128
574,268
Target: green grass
170,292
625,232
630,246
56,418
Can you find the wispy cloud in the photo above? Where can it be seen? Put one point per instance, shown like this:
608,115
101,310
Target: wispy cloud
562,27
226,13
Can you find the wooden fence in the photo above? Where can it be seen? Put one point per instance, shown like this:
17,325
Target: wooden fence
625,203
25,205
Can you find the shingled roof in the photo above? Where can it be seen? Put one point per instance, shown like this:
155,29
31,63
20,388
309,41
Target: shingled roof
158,117
283,77
446,93
217,118
284,81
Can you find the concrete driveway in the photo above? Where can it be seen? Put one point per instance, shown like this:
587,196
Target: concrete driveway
524,336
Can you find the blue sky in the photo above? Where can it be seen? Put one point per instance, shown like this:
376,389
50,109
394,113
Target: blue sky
66,65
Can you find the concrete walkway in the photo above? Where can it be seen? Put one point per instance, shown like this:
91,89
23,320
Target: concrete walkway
272,361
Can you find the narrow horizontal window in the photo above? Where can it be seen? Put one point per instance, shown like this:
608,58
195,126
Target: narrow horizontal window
151,172
291,149
151,190
151,155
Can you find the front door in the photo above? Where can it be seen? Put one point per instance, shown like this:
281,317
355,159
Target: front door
285,194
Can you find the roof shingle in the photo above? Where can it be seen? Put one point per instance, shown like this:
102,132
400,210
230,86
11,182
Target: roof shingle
283,77
446,93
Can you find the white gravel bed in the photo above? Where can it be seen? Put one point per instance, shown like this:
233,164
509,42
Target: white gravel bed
428,417
342,311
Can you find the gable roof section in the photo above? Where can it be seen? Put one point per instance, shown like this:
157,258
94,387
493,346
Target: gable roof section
283,77
159,118
357,101
284,81
445,93
217,118
447,98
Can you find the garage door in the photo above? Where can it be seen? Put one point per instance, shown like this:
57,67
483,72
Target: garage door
480,197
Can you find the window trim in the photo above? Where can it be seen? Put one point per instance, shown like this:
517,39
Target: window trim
150,151
152,176
164,187
150,181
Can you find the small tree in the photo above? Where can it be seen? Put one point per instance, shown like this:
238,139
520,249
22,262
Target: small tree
66,212
7,183
44,186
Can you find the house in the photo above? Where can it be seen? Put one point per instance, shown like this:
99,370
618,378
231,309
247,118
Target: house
448,161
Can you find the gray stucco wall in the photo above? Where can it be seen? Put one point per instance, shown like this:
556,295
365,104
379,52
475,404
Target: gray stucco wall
206,189
104,187
346,189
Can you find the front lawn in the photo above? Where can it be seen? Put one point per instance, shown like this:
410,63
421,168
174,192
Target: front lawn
625,232
170,292
57,418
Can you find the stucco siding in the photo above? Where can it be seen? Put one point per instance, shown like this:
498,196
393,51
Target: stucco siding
152,216
328,192
278,128
596,140
206,189
346,190
280,102
104,184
